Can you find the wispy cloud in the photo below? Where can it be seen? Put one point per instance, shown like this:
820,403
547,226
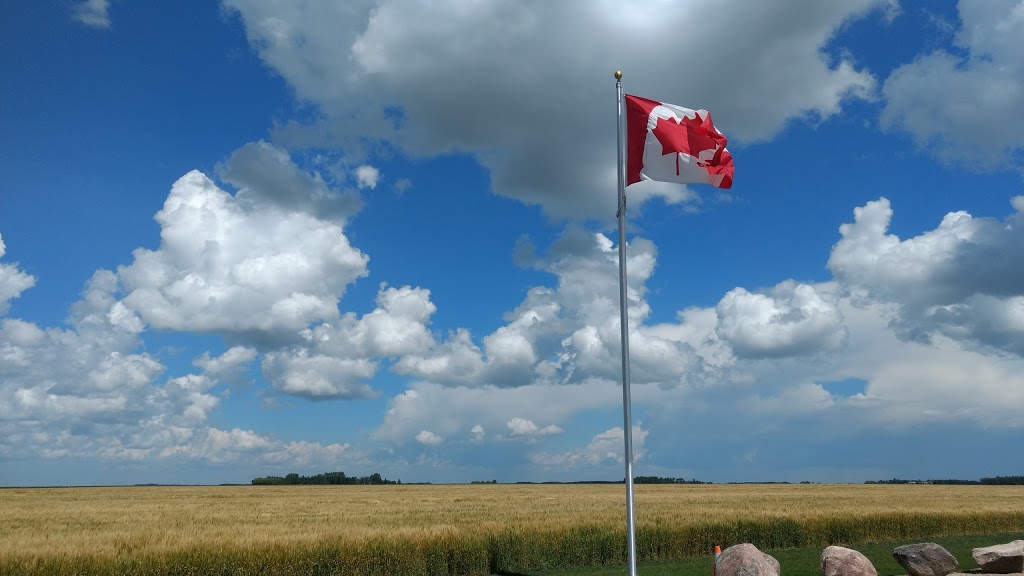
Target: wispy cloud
93,13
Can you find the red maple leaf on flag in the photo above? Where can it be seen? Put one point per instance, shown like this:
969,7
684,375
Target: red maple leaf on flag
689,136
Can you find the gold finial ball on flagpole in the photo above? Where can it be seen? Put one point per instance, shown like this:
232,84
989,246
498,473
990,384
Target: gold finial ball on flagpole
618,74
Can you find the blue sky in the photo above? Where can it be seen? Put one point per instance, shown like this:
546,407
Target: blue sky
246,238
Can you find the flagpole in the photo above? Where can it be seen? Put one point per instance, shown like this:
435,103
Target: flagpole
627,416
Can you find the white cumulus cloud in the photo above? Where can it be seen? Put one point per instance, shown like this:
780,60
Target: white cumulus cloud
87,391
12,281
317,376
965,104
792,319
225,265
569,333
335,360
963,279
398,62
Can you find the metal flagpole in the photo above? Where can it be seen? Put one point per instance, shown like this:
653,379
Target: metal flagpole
624,326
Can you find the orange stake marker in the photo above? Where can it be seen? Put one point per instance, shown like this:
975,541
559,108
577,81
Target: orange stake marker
718,552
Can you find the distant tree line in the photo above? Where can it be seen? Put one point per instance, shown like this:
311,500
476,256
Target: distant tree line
574,482
661,480
636,480
1004,480
995,480
327,478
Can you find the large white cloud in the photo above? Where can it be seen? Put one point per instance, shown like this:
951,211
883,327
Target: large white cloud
943,383
522,86
84,392
964,279
792,319
335,360
12,281
268,265
907,382
569,333
87,391
965,104
237,264
318,376
769,364
65,391
853,415
90,368
556,358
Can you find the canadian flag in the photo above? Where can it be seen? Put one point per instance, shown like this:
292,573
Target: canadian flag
674,144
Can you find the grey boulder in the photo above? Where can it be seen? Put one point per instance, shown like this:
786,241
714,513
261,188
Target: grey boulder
926,559
1001,558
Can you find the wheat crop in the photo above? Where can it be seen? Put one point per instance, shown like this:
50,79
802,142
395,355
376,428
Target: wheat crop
458,529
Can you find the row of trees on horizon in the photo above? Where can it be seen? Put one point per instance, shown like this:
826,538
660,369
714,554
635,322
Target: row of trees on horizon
339,478
327,478
995,480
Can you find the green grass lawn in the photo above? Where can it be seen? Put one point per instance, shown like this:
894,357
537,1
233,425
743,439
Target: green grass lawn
803,561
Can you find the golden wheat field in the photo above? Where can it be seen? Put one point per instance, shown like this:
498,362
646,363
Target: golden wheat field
456,529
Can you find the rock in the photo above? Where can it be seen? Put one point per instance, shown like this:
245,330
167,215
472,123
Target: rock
746,560
1001,558
926,559
839,561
